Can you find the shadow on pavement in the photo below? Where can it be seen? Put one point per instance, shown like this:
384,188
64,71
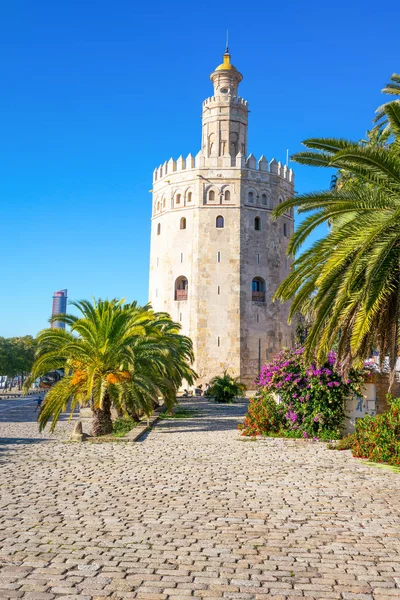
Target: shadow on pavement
20,441
210,417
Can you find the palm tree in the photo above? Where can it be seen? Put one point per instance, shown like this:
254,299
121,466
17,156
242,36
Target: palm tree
225,388
115,354
392,89
352,275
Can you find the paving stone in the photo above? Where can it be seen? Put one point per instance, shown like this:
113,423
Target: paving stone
193,511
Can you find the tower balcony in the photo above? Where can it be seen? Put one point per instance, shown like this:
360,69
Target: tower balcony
258,296
181,295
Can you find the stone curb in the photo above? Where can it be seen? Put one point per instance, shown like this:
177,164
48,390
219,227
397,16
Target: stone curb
134,434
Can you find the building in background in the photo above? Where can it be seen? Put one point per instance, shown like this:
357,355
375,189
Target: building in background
217,257
59,307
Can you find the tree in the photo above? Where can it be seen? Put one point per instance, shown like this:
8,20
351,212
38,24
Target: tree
352,276
115,354
17,355
225,388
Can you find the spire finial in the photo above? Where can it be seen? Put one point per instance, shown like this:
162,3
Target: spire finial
226,45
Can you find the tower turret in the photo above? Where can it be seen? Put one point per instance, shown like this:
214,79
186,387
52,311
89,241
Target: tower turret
224,131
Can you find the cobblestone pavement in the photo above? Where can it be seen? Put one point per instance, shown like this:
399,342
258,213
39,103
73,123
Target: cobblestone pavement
194,511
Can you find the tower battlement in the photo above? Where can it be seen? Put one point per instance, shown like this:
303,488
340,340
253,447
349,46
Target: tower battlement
232,100
272,167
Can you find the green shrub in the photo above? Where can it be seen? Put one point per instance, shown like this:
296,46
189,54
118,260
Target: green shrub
377,438
225,388
122,426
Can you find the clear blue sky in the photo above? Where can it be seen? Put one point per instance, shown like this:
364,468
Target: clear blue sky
96,94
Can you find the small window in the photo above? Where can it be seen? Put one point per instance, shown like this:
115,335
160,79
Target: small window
180,316
181,289
211,196
159,229
189,197
181,257
280,199
219,290
183,223
218,341
285,229
264,199
178,199
258,318
258,289
258,285
158,261
219,222
158,207
257,224
219,256
163,203
251,198
227,196
258,259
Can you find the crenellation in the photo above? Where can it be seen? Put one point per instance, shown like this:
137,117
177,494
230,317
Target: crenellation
240,160
199,160
228,100
263,163
180,163
274,167
251,161
171,166
190,161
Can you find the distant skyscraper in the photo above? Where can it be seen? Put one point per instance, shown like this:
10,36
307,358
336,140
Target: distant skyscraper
59,307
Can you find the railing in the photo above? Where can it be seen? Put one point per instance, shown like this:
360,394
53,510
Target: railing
181,295
258,296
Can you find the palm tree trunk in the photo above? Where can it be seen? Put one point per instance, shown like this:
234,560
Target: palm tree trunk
102,422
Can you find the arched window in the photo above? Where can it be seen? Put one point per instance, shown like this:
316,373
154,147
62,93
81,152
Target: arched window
264,200
285,229
159,229
219,223
251,197
189,197
227,196
158,207
178,199
257,224
181,288
280,199
211,196
183,223
258,289
163,203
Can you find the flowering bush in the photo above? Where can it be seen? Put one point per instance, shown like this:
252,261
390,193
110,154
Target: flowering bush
377,438
264,417
299,400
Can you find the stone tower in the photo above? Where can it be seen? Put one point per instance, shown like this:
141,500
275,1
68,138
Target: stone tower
216,256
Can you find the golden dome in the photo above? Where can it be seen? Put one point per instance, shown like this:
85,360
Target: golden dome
226,65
